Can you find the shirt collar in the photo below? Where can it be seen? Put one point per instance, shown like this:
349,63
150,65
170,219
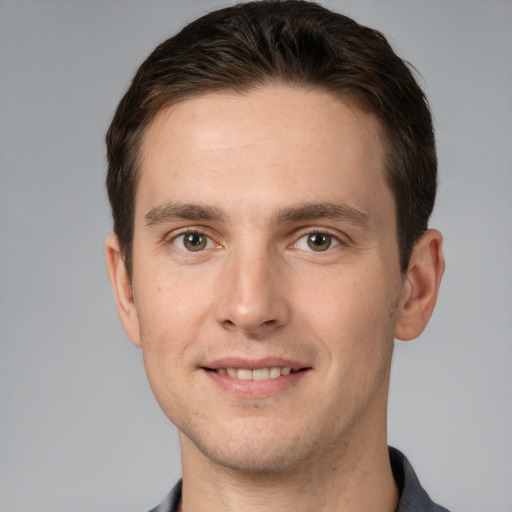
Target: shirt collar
413,498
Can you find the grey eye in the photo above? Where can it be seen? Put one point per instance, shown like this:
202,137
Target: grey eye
192,241
319,241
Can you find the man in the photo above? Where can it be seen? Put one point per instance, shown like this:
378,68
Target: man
272,171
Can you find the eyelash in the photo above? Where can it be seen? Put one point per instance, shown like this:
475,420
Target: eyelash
334,241
178,241
175,240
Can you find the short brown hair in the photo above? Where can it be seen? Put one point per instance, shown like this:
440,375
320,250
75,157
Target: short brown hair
289,42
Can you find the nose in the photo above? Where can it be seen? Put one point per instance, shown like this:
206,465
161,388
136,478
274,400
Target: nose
252,294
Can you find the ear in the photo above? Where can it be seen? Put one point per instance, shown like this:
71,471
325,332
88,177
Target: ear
419,293
121,284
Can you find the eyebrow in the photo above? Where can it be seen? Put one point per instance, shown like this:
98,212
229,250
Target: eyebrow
197,212
334,211
188,211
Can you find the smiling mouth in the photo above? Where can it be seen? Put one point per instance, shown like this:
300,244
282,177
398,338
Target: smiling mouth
256,374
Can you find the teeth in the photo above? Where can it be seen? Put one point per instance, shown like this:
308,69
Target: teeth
244,374
258,374
275,372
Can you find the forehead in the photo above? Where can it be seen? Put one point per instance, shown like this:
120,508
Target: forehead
291,144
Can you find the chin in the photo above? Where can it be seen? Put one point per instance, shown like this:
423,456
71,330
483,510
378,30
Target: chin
257,451
255,461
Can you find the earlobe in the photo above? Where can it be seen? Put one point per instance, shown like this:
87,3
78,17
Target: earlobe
121,284
421,286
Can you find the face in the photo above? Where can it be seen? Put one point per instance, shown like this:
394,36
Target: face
266,277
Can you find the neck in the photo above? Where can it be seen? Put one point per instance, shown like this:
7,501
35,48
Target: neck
355,476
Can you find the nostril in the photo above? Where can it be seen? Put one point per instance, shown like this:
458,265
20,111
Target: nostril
253,314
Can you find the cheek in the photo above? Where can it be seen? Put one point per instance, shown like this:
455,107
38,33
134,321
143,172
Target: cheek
168,305
350,318
169,321
164,336
352,297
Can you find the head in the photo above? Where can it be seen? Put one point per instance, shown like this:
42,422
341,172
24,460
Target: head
294,43
271,173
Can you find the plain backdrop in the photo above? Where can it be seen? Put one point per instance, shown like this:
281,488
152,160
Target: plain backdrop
79,427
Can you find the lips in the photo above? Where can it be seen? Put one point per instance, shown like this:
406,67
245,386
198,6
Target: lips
257,374
260,377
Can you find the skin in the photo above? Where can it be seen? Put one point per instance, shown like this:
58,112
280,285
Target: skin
258,294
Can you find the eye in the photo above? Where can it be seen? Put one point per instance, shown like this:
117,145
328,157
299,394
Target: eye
193,241
317,241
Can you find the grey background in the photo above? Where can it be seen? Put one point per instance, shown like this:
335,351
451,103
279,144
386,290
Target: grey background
79,428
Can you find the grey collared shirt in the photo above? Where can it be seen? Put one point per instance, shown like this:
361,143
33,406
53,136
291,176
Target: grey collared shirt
413,498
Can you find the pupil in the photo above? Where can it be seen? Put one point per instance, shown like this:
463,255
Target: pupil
195,241
319,241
